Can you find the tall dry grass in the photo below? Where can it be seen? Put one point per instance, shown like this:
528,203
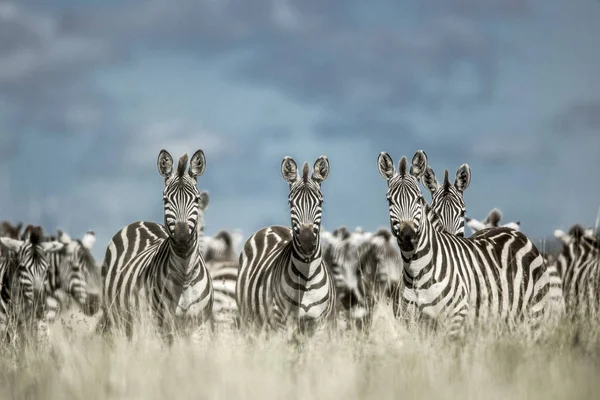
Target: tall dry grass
390,363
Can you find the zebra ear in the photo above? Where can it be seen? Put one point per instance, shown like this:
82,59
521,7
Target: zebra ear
562,236
419,164
165,164
385,164
63,237
88,240
463,178
320,169
474,224
204,199
51,247
289,170
197,164
11,244
429,180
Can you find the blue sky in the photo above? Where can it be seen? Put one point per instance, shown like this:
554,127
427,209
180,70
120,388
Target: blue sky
91,91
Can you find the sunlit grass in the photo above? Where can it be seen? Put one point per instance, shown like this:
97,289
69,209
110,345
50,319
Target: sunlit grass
389,363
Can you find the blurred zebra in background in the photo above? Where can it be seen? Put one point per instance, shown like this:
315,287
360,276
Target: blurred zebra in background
367,269
26,293
222,262
579,265
161,267
77,274
448,279
283,277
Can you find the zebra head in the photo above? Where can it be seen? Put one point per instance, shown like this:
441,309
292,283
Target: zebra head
306,201
31,262
447,199
581,248
405,200
491,221
79,272
183,202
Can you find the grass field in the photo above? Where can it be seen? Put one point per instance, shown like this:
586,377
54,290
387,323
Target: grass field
388,364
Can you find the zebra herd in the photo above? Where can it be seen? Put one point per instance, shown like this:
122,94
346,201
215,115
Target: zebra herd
303,276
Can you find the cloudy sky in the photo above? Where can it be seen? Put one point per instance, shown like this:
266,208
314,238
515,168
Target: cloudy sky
91,91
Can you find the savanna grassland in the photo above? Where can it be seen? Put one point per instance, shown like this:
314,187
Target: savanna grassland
390,363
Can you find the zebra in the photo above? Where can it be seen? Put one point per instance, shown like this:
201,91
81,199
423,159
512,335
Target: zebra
222,262
367,269
161,266
26,293
447,199
282,273
78,276
579,265
454,282
449,205
491,221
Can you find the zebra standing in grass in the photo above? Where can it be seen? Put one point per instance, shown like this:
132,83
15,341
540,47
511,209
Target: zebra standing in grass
454,281
222,262
78,276
579,264
282,273
447,202
161,266
26,293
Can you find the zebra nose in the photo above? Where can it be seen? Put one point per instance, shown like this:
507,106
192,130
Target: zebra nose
406,234
307,238
182,232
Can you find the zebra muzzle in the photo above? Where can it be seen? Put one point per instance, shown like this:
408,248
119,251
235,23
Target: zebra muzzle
307,239
181,233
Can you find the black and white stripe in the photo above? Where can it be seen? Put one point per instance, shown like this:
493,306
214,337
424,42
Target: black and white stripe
447,199
451,280
282,274
77,275
26,293
579,265
149,265
448,203
222,262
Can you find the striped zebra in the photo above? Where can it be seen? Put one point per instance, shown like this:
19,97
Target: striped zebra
491,221
447,199
26,293
78,276
454,282
447,202
222,262
282,274
366,268
579,265
160,267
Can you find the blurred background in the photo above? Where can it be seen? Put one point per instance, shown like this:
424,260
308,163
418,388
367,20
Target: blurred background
91,91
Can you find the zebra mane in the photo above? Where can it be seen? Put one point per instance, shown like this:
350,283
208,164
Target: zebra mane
402,166
446,181
35,235
576,232
305,172
183,161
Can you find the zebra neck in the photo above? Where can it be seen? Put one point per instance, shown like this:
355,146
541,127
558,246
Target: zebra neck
418,259
185,252
305,268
